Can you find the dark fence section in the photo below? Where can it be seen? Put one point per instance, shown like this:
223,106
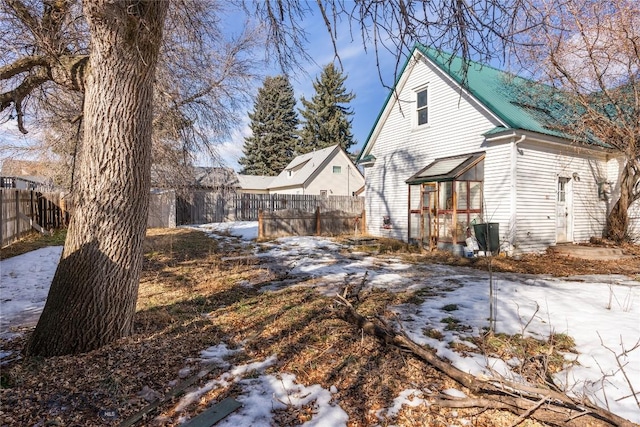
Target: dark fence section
24,210
202,207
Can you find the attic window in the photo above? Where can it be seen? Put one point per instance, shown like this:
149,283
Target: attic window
289,173
337,169
422,107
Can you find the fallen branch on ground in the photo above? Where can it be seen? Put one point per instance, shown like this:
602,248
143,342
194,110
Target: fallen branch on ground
541,404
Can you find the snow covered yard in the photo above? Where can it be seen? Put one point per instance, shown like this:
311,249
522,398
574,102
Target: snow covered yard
600,312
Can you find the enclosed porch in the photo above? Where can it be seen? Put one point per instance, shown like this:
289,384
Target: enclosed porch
445,200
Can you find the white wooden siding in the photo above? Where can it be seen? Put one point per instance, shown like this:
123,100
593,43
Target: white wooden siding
539,168
455,127
520,181
634,221
497,190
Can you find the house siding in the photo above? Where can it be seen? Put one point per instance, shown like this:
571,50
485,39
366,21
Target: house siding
520,176
634,221
538,171
497,190
316,174
401,150
344,183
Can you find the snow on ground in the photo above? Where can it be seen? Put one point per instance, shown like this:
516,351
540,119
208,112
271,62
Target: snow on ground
601,313
24,285
247,230
261,394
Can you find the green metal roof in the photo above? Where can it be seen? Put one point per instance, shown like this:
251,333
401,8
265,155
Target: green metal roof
367,158
520,103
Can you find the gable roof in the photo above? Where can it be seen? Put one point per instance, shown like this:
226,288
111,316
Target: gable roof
519,103
308,163
215,177
255,182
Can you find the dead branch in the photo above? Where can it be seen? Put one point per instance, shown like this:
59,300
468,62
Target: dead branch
541,404
622,365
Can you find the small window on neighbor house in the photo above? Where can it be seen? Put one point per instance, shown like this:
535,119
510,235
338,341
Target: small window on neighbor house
323,193
289,173
422,107
337,169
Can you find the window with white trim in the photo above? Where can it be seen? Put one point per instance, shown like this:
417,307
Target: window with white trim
337,169
422,107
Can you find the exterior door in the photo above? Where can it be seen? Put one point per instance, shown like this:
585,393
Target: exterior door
563,210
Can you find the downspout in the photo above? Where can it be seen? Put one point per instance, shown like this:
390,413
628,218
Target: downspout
513,238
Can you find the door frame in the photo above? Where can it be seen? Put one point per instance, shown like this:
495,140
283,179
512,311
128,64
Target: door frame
564,197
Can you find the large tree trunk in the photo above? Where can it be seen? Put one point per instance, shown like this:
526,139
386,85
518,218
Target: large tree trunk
94,291
618,219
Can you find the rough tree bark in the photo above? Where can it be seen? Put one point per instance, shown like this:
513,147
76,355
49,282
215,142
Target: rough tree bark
617,228
93,294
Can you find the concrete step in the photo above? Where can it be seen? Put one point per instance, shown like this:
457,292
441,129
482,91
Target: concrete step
589,252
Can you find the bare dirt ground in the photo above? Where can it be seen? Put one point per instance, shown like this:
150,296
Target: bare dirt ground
187,274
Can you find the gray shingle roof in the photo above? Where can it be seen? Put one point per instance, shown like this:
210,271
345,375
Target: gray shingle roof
308,164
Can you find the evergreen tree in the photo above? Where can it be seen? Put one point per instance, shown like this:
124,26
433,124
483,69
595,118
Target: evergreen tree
274,123
326,116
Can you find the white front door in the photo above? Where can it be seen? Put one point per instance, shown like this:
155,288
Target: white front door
563,210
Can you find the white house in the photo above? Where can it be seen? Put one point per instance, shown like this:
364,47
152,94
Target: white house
326,172
442,157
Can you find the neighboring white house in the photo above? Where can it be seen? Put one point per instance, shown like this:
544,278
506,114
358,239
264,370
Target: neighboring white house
441,158
327,172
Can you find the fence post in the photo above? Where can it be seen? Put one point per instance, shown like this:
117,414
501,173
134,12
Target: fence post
18,213
318,229
2,193
363,222
260,224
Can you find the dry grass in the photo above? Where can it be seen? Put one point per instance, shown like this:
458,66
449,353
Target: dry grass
544,263
197,292
33,241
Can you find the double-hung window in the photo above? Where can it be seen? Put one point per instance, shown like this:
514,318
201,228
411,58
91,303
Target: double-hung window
422,107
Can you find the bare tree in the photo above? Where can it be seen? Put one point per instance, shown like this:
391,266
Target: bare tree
90,302
107,51
590,51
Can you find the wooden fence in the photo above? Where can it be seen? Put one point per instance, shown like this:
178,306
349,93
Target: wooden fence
24,210
202,207
295,222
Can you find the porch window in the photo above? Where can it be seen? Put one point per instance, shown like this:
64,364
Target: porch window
422,107
451,199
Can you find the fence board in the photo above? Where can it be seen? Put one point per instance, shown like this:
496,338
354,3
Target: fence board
23,210
201,207
296,222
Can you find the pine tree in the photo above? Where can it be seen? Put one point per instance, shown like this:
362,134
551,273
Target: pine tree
326,116
274,123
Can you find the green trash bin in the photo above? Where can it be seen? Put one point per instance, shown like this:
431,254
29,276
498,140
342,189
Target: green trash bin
488,236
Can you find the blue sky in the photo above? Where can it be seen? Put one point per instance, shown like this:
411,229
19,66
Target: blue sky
362,80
